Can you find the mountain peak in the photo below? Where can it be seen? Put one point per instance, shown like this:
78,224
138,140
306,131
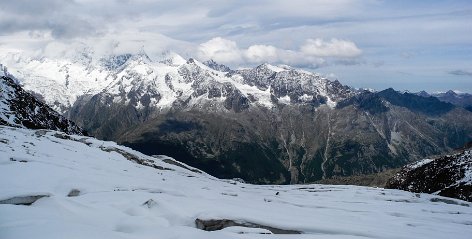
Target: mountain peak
171,58
190,61
451,93
215,66
114,62
271,67
3,70
142,56
423,93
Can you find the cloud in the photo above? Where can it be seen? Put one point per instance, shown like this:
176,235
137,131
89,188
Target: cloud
331,76
261,53
38,44
350,61
407,55
460,73
333,48
59,17
378,63
220,50
71,28
35,7
227,51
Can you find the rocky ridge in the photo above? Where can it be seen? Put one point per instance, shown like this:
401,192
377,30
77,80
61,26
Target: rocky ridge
449,176
19,108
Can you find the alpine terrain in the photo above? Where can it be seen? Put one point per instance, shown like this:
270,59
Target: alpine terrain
267,124
139,119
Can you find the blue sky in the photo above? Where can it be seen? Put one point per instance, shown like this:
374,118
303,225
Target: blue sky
407,45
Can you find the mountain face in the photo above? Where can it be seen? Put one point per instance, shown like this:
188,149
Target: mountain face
19,108
267,124
67,186
449,176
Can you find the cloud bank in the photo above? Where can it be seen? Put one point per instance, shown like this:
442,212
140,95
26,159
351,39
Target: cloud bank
313,53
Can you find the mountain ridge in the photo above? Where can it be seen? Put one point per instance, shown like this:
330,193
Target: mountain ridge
264,124
87,75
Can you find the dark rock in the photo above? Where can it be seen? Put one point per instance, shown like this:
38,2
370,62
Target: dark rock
150,203
134,158
73,193
218,224
22,200
215,66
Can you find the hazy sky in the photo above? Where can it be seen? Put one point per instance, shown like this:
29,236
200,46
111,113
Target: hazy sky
408,45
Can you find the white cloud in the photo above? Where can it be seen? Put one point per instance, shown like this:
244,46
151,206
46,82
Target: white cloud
333,48
220,50
261,53
331,76
43,44
227,51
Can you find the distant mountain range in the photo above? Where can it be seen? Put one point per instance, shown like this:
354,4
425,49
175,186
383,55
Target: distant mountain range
268,124
460,99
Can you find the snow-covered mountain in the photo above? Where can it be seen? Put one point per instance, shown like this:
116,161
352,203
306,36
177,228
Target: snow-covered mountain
60,186
167,81
19,108
60,81
449,175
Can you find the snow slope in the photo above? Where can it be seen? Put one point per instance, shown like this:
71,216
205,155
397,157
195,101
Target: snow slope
113,196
